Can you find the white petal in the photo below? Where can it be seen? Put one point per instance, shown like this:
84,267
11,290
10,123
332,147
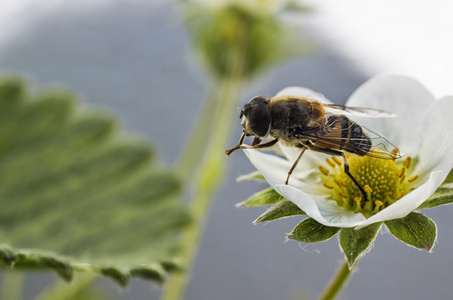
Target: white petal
273,168
405,97
303,92
275,171
302,191
324,211
291,153
437,138
408,203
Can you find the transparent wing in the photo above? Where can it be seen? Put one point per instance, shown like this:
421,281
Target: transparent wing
337,139
382,147
358,111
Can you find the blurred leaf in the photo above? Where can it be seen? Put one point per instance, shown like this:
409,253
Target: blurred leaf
78,195
354,242
284,208
310,231
442,196
415,230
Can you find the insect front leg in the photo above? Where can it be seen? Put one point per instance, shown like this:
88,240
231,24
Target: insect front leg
241,140
255,146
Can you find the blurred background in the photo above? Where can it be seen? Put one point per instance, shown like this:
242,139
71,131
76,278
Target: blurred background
134,58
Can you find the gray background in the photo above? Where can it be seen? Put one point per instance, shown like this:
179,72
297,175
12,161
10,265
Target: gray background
134,58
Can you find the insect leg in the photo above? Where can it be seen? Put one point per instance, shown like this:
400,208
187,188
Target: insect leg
346,170
294,165
346,165
256,141
256,146
241,140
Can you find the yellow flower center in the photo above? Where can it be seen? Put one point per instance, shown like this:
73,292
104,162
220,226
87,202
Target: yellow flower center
384,182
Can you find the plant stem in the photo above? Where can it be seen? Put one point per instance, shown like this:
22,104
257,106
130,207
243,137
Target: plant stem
206,160
12,285
79,287
338,282
194,148
208,178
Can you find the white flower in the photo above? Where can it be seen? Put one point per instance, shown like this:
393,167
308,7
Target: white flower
422,130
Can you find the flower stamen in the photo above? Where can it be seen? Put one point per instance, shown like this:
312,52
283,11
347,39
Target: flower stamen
401,172
337,160
327,185
323,170
338,182
330,162
407,162
384,182
413,178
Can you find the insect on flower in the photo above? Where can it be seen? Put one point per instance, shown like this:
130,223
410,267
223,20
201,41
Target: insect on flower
305,124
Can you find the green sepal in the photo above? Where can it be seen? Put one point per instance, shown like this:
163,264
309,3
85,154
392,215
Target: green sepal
443,195
282,209
310,231
251,176
262,198
415,230
354,242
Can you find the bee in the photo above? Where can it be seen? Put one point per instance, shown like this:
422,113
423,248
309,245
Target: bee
308,124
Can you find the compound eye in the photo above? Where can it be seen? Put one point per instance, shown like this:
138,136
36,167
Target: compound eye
259,116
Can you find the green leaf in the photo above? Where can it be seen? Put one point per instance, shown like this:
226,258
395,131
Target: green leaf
354,242
415,229
78,195
282,209
310,231
443,195
262,198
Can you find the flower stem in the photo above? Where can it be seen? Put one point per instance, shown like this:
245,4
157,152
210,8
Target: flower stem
12,285
208,175
80,285
338,282
195,145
